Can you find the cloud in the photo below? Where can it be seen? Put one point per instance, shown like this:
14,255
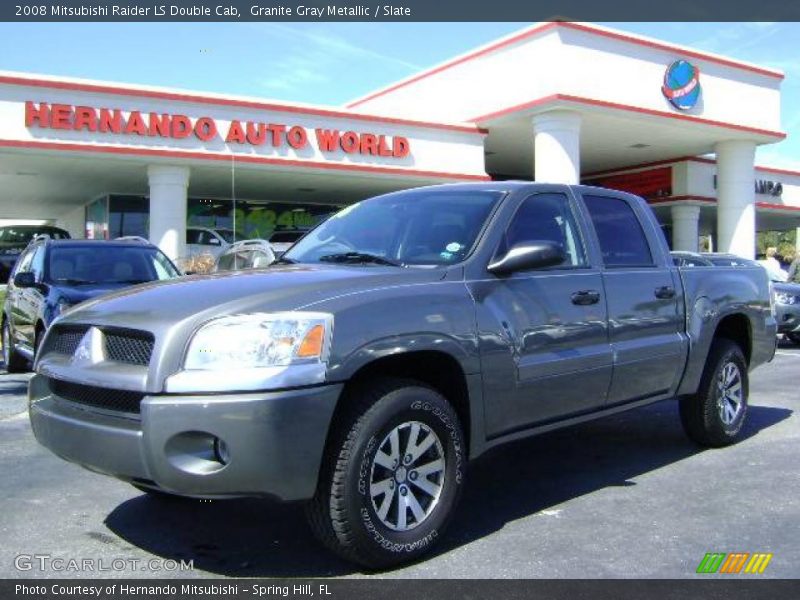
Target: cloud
737,37
316,56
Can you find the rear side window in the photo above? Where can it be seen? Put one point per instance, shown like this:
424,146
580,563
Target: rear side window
622,239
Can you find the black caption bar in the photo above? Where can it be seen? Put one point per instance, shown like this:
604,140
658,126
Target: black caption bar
400,10
385,589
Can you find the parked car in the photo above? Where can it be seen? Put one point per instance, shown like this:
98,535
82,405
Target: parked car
204,240
14,239
787,309
246,254
401,338
281,241
724,259
54,275
689,259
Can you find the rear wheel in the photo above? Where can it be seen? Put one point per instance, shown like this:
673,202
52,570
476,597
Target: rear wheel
715,414
14,362
392,475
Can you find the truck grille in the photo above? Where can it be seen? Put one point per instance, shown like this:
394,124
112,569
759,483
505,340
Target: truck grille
121,345
65,340
118,400
129,346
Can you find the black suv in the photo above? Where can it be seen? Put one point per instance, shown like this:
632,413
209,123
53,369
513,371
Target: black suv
14,239
53,275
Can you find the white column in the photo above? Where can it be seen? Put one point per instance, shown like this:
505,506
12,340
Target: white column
557,147
685,227
736,209
168,187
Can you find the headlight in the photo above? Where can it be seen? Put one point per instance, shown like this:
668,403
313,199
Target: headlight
784,298
260,340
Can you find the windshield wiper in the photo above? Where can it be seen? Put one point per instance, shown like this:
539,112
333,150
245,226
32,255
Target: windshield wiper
359,257
285,261
130,281
72,281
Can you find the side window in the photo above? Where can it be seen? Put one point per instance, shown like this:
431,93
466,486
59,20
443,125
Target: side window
547,217
192,236
24,262
622,239
37,263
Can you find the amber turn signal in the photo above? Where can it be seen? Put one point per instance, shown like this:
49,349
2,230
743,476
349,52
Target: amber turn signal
311,346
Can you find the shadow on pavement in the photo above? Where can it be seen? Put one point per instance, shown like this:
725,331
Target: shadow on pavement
12,384
256,538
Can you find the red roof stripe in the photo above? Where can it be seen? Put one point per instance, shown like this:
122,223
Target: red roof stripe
280,162
625,107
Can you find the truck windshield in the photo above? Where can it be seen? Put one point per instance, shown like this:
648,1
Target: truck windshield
405,228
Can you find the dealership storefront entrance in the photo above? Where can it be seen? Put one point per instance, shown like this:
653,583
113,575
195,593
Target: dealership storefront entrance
677,126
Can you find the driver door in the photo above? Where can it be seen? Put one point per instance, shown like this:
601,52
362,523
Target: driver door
544,335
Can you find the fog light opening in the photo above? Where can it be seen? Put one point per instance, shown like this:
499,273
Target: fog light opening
221,451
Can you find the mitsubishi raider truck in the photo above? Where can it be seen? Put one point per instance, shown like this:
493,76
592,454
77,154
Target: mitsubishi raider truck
401,338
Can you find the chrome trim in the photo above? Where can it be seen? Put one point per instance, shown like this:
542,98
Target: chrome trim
118,376
196,381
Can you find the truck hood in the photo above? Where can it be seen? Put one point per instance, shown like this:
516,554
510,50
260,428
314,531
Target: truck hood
75,294
163,305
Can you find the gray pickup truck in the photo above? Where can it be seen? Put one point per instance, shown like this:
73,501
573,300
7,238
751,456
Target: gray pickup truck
398,340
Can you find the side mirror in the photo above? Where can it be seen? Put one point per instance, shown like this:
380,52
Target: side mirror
25,280
214,241
529,255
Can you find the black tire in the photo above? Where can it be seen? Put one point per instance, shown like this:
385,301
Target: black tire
703,415
794,338
13,361
343,513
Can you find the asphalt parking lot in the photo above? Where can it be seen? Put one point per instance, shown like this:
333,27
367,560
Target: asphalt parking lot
627,496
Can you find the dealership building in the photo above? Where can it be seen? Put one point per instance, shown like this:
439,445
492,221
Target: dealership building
556,102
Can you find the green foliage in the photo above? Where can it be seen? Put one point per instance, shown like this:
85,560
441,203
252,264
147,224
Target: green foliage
784,241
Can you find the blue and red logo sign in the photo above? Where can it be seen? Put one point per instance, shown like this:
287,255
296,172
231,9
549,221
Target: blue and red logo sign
682,85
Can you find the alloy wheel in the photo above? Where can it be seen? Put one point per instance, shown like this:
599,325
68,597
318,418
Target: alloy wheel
6,345
407,476
730,395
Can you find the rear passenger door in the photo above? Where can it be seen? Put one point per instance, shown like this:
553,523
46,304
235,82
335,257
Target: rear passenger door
643,295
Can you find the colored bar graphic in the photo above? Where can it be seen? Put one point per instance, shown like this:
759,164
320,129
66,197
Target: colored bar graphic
731,564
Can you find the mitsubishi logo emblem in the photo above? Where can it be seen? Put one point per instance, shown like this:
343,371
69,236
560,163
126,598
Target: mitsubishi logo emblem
90,348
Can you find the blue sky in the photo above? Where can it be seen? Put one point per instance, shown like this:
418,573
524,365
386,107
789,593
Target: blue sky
330,63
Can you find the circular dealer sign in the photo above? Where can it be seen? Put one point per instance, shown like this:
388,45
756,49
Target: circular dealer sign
682,84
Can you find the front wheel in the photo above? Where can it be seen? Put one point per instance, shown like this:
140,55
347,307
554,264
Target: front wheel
14,362
392,475
715,414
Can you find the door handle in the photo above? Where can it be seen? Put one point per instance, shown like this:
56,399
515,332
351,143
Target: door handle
665,292
586,297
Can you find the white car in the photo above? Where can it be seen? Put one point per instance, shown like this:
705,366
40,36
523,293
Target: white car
204,240
281,241
246,254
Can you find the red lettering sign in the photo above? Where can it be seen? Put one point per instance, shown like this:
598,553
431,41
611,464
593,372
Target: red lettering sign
165,125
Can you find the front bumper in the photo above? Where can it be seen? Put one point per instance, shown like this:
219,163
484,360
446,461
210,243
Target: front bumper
788,317
275,440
